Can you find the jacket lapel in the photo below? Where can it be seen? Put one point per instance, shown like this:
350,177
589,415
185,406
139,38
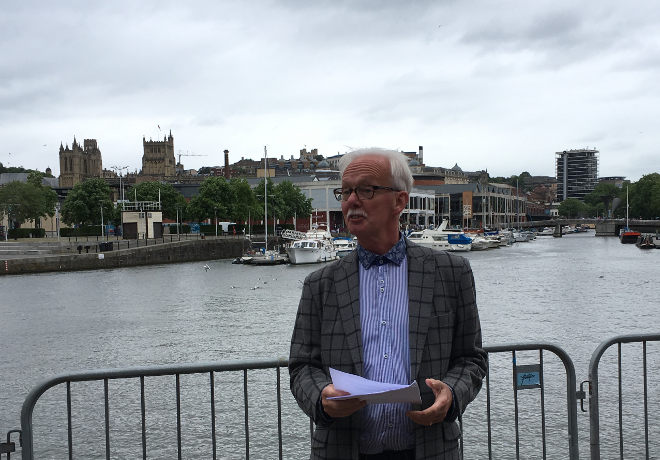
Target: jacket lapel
347,281
420,293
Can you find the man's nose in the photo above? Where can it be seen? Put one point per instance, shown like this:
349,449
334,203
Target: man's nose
353,197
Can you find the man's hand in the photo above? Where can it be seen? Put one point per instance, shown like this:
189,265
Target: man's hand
341,407
438,411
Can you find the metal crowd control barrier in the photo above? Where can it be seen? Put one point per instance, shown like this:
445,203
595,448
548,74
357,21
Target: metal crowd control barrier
244,366
141,373
594,409
534,374
524,376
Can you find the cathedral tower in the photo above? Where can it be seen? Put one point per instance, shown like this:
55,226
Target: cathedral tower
79,162
158,158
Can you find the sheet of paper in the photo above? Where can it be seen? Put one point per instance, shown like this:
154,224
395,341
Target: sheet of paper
374,392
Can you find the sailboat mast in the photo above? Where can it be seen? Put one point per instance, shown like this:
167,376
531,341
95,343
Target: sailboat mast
626,208
265,197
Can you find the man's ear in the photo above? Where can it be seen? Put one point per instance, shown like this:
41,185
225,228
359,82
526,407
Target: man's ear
401,201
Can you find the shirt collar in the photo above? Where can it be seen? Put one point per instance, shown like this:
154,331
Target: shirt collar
395,255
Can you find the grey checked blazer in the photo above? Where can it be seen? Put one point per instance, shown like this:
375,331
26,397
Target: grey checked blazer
445,344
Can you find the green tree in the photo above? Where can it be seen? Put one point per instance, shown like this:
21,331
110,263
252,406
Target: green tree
274,202
215,199
293,202
169,197
12,169
84,202
21,201
644,197
48,198
571,208
599,201
245,202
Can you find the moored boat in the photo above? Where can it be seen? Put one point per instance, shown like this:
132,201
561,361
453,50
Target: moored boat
434,239
269,258
312,247
459,242
645,242
344,245
547,231
628,236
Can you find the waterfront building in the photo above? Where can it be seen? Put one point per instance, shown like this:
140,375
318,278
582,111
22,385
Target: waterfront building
142,219
478,205
576,172
80,162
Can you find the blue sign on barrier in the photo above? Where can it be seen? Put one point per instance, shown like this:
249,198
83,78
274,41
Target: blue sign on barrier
528,376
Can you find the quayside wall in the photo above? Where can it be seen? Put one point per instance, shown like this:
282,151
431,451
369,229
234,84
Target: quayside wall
164,253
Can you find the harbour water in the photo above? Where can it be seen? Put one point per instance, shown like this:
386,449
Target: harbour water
574,291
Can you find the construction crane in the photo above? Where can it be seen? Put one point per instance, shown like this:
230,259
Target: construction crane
188,155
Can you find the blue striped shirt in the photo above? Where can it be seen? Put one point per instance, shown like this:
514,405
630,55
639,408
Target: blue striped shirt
385,343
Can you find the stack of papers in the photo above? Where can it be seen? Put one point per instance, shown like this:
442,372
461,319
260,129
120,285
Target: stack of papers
373,392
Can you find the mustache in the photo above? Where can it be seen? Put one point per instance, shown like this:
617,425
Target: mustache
355,212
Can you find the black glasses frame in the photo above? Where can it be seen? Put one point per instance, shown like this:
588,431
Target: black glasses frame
363,192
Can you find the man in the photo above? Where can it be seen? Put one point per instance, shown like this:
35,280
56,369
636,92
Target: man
393,312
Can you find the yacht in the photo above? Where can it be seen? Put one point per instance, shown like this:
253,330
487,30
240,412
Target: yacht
344,245
311,247
442,239
430,238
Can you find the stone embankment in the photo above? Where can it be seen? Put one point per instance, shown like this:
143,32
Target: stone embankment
37,259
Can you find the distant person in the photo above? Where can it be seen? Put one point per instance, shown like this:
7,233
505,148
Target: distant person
393,312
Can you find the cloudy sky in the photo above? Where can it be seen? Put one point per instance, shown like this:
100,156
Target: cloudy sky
496,85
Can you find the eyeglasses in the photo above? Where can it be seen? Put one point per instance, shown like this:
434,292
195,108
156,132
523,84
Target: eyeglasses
363,192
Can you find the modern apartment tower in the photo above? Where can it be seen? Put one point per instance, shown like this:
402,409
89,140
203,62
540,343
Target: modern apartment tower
576,172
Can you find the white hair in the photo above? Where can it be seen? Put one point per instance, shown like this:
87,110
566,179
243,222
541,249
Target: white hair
401,176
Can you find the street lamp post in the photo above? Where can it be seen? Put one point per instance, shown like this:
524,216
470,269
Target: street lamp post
178,227
215,214
121,195
102,232
57,220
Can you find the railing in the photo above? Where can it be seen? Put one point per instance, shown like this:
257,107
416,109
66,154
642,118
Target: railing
594,392
536,379
531,375
141,373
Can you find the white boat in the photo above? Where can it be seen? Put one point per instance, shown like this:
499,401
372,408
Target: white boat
523,237
344,245
272,257
312,247
506,237
479,243
431,239
547,231
442,239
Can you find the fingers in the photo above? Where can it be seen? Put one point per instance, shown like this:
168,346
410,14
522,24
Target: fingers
342,407
437,412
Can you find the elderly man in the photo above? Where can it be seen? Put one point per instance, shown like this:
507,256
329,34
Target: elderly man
393,312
